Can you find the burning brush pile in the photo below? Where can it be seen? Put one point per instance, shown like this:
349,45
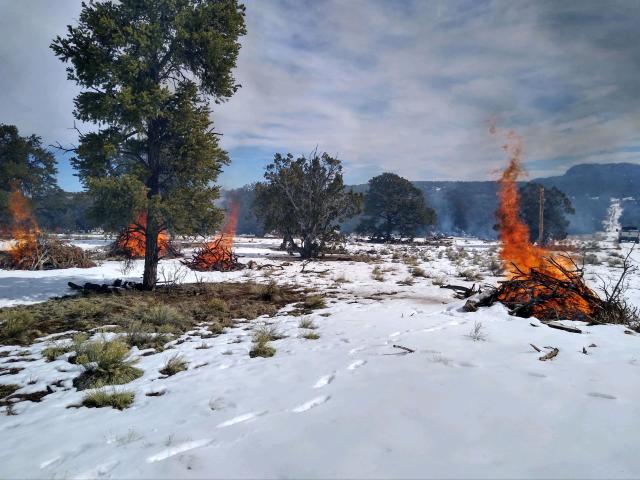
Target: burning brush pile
541,284
218,255
32,249
131,242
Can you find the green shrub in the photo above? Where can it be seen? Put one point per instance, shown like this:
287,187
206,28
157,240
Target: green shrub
104,363
101,398
175,364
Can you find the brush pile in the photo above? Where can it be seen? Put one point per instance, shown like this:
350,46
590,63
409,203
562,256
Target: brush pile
216,255
44,252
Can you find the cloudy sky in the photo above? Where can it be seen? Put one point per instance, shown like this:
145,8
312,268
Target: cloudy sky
402,86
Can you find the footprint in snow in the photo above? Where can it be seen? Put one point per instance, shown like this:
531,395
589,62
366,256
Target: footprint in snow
178,449
241,419
311,404
602,395
356,364
325,380
353,351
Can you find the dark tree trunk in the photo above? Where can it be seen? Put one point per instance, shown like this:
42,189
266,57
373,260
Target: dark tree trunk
152,229
150,275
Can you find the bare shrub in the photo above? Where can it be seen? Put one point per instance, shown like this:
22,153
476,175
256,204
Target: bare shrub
477,334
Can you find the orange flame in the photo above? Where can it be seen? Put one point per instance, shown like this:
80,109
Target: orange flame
24,228
521,257
514,233
218,254
133,239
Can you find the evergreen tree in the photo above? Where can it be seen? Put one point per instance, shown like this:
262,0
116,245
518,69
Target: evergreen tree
556,208
304,200
393,205
147,69
25,165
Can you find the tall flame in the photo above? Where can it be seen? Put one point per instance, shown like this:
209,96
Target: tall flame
24,228
516,250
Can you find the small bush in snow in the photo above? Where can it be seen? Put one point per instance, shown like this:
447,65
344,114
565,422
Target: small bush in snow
377,274
141,336
56,350
407,281
418,272
314,302
270,291
101,398
307,323
261,348
477,334
105,363
470,275
266,333
590,259
174,364
439,280
311,335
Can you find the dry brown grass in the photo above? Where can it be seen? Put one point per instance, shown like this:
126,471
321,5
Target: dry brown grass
165,311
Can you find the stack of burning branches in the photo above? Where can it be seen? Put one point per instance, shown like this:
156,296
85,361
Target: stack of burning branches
541,284
218,255
131,242
31,249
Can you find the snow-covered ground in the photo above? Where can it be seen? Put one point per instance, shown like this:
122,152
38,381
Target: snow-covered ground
350,404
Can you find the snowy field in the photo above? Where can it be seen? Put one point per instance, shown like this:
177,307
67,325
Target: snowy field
349,404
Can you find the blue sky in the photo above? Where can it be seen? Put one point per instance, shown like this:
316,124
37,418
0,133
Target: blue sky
402,86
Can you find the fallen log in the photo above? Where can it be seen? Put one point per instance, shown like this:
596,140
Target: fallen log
461,291
560,326
406,349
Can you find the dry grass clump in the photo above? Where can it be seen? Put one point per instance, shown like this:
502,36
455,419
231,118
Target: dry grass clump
174,364
143,336
341,279
314,302
590,259
7,389
439,280
101,398
470,275
270,291
307,323
262,349
105,363
407,282
418,272
165,316
56,350
266,333
17,327
477,333
162,312
410,261
377,274
311,335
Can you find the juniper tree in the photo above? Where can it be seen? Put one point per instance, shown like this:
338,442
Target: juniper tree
393,205
147,69
26,165
556,208
304,199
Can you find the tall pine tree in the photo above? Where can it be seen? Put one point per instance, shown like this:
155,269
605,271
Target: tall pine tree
147,69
